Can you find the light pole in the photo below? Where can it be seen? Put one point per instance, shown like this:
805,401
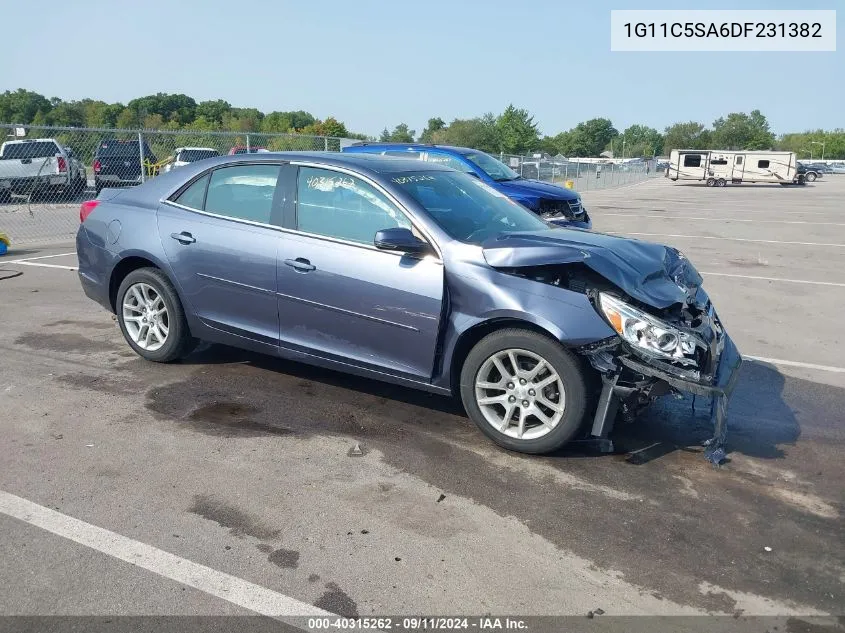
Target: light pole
819,143
810,151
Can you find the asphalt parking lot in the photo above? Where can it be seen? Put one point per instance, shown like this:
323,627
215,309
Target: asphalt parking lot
224,484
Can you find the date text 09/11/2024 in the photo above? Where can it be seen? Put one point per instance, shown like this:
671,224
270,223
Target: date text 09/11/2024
417,623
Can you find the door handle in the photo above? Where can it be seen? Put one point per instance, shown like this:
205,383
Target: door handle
300,264
184,237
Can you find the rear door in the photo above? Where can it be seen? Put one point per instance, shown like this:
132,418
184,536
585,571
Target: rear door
221,236
341,298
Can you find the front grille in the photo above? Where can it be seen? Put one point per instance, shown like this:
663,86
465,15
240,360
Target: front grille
561,208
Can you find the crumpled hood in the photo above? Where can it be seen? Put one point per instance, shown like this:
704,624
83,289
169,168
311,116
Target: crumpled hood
657,275
535,189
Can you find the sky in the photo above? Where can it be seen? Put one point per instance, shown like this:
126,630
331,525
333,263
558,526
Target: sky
376,63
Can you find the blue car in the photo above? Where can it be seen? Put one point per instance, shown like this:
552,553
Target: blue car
556,204
412,273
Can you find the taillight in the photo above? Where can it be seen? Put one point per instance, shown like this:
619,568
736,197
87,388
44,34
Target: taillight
62,163
87,207
97,166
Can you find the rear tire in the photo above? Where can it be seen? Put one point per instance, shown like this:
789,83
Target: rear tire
142,295
518,411
721,182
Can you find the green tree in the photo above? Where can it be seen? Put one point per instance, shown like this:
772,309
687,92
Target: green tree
178,108
434,124
807,144
516,131
287,121
400,134
128,120
100,113
21,106
67,114
689,135
213,111
640,140
742,131
479,133
330,127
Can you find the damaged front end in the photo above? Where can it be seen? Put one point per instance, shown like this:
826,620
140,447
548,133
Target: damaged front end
668,339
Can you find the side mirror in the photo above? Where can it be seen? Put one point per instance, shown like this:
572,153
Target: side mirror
401,240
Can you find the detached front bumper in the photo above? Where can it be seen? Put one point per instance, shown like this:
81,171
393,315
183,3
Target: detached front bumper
631,381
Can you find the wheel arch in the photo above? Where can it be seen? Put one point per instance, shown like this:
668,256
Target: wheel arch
127,264
471,336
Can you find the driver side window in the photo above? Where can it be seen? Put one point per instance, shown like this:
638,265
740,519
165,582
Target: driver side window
334,204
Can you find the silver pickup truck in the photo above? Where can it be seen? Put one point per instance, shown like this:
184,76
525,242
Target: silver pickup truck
39,166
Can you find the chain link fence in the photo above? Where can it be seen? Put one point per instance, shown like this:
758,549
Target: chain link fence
584,175
47,172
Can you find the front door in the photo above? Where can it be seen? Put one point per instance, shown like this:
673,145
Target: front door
738,167
340,297
222,247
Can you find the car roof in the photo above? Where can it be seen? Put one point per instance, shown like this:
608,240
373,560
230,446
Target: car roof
368,162
372,165
366,146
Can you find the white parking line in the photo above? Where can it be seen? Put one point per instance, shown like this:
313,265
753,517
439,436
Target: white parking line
216,583
20,263
32,259
727,220
791,281
794,363
730,239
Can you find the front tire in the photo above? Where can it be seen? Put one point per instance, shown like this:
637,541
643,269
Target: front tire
811,177
710,182
151,316
524,391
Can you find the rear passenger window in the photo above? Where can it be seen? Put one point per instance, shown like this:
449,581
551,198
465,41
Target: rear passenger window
244,192
194,196
334,204
692,160
762,163
739,160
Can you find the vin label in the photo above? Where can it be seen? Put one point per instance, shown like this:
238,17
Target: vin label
723,30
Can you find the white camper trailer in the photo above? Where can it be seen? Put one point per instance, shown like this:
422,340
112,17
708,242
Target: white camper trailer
719,167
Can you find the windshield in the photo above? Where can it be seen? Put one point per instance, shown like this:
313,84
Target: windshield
35,149
193,155
493,168
466,208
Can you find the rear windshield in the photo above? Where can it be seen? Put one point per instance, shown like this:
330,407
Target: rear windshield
36,149
193,155
112,147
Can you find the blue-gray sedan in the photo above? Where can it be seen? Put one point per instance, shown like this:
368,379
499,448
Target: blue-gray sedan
414,274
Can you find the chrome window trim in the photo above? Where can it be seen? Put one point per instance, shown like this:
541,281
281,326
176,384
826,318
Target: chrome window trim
166,200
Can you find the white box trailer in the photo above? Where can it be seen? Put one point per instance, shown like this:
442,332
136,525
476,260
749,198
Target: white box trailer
719,167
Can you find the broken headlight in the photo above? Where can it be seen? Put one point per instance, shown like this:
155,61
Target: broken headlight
649,334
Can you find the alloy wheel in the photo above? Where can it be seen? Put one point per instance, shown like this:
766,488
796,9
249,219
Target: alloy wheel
145,316
520,394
